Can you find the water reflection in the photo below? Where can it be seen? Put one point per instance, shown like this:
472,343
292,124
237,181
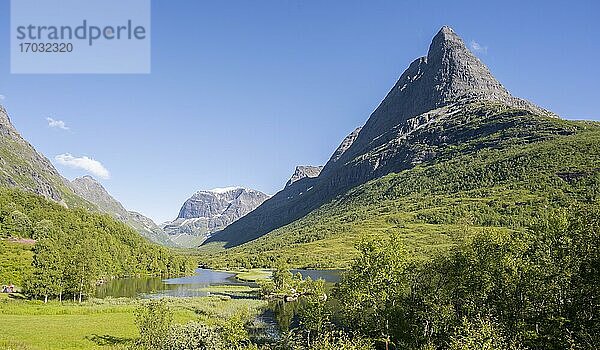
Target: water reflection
284,314
189,286
206,277
130,287
155,287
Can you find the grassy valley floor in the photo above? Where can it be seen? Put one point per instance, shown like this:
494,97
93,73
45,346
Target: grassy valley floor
100,324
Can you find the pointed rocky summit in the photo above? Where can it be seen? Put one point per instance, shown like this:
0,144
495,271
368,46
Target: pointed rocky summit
448,74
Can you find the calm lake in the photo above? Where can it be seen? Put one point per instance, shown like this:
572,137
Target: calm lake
189,286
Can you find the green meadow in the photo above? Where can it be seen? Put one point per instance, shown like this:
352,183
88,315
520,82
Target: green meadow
101,324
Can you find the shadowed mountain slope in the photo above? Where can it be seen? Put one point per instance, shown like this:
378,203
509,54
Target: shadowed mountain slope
445,104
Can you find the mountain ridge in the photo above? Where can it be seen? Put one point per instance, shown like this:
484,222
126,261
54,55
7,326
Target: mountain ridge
522,167
303,171
22,166
91,190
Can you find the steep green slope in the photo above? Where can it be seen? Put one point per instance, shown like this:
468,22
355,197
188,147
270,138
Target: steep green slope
509,166
69,242
21,166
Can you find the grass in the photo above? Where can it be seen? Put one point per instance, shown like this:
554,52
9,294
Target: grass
31,325
68,332
253,275
99,324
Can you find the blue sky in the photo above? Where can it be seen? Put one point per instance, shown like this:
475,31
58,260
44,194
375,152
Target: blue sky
243,91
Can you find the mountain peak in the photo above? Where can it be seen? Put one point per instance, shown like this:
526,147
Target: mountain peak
450,73
209,211
91,190
224,193
85,178
430,108
446,29
6,126
206,204
455,72
446,33
87,181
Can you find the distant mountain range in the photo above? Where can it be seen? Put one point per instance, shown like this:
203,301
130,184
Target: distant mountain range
209,211
446,115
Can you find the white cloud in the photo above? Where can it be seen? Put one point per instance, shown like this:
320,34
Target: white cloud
85,163
57,124
2,97
478,48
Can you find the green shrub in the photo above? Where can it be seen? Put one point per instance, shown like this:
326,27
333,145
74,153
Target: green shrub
154,321
194,336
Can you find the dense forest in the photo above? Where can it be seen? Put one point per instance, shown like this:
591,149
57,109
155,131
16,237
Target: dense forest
74,249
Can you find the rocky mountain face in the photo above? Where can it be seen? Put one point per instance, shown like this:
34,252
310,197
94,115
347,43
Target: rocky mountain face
344,146
91,190
207,212
416,121
432,87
